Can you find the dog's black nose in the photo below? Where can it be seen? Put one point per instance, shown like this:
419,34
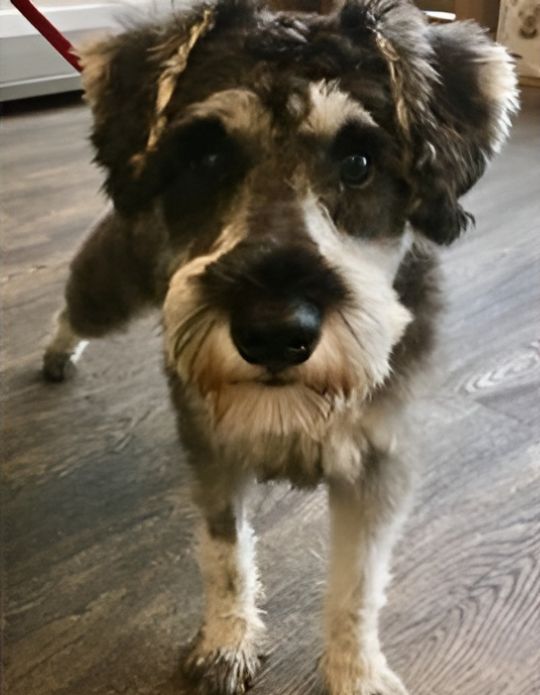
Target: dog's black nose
276,335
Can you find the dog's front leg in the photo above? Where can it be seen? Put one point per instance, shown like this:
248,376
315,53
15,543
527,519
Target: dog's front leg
225,653
365,518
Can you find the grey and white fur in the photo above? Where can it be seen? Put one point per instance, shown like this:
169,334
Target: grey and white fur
279,183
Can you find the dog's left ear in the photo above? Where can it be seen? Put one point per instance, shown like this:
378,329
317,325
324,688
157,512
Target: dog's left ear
466,121
120,83
128,81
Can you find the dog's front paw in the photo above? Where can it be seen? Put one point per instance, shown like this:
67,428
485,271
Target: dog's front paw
227,670
360,676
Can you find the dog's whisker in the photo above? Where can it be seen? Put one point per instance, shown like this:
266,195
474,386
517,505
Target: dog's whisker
186,331
350,329
197,351
192,318
182,342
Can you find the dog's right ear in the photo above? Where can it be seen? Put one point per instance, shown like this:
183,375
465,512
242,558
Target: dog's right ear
128,81
467,120
454,91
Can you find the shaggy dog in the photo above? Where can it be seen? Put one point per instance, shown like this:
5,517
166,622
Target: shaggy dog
279,184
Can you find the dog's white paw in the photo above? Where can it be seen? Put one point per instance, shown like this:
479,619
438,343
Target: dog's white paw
360,676
227,670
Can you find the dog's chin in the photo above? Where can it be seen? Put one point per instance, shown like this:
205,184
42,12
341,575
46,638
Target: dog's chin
242,401
272,405
275,380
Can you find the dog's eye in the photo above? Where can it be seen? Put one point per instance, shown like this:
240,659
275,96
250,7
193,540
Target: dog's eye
355,170
211,162
201,150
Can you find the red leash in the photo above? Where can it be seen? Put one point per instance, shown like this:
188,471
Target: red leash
48,31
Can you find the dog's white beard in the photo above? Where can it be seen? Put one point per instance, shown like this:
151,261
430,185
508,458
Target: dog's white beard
350,361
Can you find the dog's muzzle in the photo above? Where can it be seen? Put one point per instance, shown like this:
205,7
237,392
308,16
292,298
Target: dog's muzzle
276,335
276,297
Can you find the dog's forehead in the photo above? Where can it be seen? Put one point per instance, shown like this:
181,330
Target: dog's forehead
299,71
315,108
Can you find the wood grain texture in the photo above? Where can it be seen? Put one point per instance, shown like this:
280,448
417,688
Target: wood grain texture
101,586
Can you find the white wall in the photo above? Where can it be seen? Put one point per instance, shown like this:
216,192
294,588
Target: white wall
29,66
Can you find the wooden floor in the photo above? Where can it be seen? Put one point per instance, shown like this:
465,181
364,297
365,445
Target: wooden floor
101,583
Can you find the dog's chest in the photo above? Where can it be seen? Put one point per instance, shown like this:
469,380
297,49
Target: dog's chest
305,455
305,458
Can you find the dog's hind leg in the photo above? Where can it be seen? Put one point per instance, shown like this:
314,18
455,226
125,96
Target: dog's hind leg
224,656
365,518
65,348
111,279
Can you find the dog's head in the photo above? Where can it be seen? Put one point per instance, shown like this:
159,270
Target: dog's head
288,156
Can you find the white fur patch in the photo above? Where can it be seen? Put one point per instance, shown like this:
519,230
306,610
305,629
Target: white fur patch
375,315
360,553
498,82
231,584
65,341
77,353
331,108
